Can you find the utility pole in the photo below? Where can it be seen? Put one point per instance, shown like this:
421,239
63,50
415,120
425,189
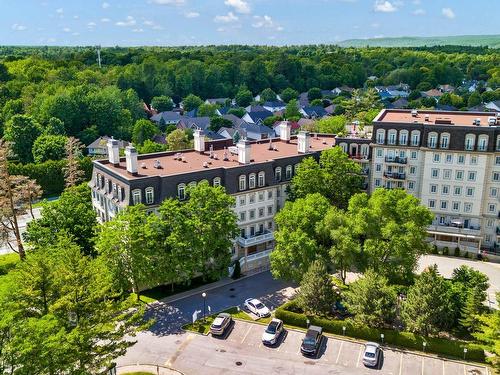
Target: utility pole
99,56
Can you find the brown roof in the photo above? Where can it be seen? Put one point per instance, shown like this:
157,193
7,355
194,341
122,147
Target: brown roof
457,118
193,161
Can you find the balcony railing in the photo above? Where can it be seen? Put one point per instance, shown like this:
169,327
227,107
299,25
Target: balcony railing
396,159
256,239
474,231
395,175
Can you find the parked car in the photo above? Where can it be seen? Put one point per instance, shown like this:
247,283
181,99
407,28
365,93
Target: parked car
371,354
312,341
220,324
273,332
256,307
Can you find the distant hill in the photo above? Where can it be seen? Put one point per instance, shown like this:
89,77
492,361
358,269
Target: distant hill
492,41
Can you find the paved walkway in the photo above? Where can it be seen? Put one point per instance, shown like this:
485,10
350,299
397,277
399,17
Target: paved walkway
153,369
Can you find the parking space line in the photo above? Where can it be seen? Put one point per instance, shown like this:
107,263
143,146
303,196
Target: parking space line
340,350
246,334
400,363
422,365
465,371
443,368
359,356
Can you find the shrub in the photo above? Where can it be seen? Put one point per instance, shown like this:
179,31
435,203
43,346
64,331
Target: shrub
446,251
457,251
435,249
466,255
237,270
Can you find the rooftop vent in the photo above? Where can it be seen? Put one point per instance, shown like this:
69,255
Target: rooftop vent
157,164
143,166
183,159
443,120
205,164
226,156
477,121
233,150
427,117
492,121
414,113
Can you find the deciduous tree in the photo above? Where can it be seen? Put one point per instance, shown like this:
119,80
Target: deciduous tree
73,174
162,103
22,131
143,130
49,147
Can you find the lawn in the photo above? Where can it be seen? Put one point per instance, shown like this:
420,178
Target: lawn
7,262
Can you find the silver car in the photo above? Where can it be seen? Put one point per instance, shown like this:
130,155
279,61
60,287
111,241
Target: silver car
371,354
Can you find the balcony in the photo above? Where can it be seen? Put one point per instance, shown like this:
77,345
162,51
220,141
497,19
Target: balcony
396,159
471,232
258,238
395,175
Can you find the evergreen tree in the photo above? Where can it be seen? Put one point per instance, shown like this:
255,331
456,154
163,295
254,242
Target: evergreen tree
316,294
470,314
488,334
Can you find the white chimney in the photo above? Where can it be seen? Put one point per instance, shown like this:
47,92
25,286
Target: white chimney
285,130
131,158
113,151
303,141
243,151
199,140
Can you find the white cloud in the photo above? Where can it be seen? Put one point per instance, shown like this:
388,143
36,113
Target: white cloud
239,6
448,13
76,17
105,5
129,21
191,14
91,24
18,27
148,23
66,29
265,22
384,6
230,17
152,24
139,30
419,12
169,2
60,11
104,20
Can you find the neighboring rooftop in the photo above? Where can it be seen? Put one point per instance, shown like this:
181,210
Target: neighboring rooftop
458,118
192,161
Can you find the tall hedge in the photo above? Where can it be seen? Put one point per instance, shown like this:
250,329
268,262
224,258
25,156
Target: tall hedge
287,313
50,174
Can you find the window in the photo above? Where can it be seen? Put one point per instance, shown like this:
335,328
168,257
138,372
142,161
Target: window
471,176
414,155
121,194
444,205
251,214
365,150
493,192
413,170
411,185
436,158
461,159
261,179
380,153
251,181
242,216
377,182
415,138
496,176
242,182
261,212
435,173
470,139
270,225
497,147
432,203
136,196
216,181
445,189
270,194
497,160
459,175
482,143
243,233
432,140
445,140
380,139
433,189
261,196
447,174
378,167
150,196
469,192
288,172
489,223
277,174
392,137
449,158
243,200
457,190
492,207
192,184
115,190
269,210
403,137
181,191
251,198
473,160
467,207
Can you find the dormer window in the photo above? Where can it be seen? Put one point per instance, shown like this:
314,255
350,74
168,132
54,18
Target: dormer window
288,173
181,192
217,181
251,181
261,179
445,140
242,183
277,174
150,197
415,138
482,144
392,137
432,140
470,140
380,136
403,137
136,196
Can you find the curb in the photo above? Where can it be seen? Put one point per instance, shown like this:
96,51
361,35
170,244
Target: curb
147,367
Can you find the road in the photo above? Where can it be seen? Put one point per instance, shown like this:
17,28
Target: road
22,222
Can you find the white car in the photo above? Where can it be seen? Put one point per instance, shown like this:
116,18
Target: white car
272,332
371,354
256,307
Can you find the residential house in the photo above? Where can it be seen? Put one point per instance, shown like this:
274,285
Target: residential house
274,106
219,101
313,112
493,106
194,123
256,117
432,93
167,118
99,147
446,88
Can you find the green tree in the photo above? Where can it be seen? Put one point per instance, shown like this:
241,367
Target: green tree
191,102
177,140
296,240
289,94
292,110
243,97
150,147
49,147
316,294
238,112
332,125
314,93
268,95
217,122
143,130
428,307
316,103
488,335
22,131
54,127
162,103
470,313
208,110
72,213
474,99
335,177
371,299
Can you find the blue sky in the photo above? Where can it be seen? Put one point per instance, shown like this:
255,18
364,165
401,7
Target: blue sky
200,22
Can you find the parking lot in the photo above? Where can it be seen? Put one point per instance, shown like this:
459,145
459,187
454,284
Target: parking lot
241,351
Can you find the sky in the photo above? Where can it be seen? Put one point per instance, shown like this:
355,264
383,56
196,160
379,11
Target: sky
269,22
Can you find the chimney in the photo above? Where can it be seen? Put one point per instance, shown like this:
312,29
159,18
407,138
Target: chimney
303,141
131,158
285,130
199,141
243,151
113,151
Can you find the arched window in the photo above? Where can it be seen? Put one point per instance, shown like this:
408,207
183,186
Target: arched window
470,140
482,142
136,196
150,195
121,194
288,172
262,179
403,137
365,150
181,191
445,140
192,184
115,191
432,140
391,138
242,182
380,136
343,146
251,181
415,137
277,174
217,181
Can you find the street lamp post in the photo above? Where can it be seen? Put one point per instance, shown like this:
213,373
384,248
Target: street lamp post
382,338
307,323
343,329
424,344
204,295
465,352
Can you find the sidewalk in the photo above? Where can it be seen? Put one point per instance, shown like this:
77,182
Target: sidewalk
153,369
